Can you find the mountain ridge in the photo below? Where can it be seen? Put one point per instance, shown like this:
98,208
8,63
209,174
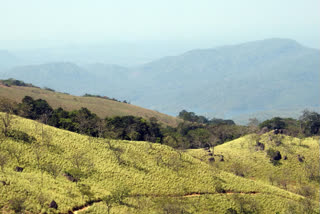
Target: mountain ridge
227,81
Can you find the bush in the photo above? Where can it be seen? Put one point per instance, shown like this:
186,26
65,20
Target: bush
21,136
49,89
274,156
17,204
220,189
231,211
274,123
239,169
14,82
77,174
259,146
306,191
52,168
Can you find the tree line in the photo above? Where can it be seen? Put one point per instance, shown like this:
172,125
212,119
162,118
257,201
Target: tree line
307,125
194,132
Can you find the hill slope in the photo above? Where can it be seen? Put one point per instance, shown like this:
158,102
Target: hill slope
296,171
52,75
101,107
152,177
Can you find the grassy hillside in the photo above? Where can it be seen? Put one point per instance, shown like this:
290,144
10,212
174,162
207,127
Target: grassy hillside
102,107
297,170
153,177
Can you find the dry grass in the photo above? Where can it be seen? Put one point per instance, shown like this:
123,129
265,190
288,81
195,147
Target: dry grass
102,107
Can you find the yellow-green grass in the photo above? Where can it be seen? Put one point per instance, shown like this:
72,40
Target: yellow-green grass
206,204
156,175
102,107
241,156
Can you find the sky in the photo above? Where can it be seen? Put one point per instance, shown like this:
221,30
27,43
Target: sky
45,23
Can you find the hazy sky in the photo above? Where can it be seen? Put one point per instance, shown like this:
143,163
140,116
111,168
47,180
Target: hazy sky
220,22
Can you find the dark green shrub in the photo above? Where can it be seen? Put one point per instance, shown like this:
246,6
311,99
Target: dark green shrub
49,89
21,136
274,156
231,211
259,146
220,189
17,204
14,82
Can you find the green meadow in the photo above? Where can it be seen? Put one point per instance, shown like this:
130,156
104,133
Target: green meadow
139,177
297,171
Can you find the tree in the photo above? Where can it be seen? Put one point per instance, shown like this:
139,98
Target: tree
85,121
78,159
6,122
109,201
17,204
312,170
38,152
8,107
3,161
217,121
200,137
34,109
15,152
245,205
85,190
42,199
274,123
168,206
52,168
308,206
239,169
253,124
192,117
117,196
188,116
310,122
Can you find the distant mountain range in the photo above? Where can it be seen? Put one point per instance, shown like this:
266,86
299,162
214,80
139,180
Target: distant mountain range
262,78
7,59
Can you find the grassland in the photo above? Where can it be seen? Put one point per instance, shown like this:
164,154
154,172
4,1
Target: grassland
102,107
157,178
243,157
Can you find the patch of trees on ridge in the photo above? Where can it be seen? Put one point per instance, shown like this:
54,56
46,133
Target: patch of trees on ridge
195,132
105,97
307,125
192,117
83,121
186,135
14,82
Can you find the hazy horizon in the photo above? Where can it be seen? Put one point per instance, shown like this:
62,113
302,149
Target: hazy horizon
37,24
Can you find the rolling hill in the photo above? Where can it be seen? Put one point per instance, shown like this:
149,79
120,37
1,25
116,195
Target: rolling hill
100,106
77,172
52,75
297,170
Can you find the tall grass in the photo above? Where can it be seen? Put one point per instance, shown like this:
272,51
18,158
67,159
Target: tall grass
157,176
